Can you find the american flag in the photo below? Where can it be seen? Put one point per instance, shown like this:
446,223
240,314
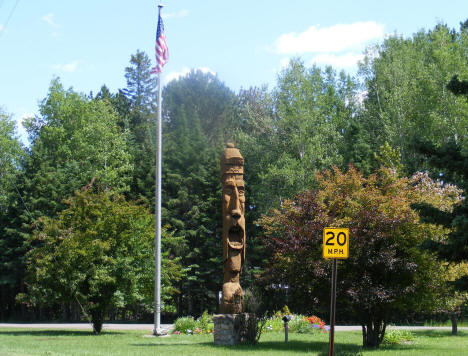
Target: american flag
162,51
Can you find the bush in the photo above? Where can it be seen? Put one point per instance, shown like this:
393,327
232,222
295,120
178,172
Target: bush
204,323
299,324
282,312
185,325
398,336
188,325
274,324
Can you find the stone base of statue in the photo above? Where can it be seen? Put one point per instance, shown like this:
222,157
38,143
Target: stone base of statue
230,329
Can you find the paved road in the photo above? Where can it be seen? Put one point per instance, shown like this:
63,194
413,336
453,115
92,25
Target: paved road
167,327
84,326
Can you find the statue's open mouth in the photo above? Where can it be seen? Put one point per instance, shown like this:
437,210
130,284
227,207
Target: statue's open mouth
236,237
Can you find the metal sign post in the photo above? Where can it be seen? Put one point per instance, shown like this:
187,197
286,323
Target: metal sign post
331,343
335,246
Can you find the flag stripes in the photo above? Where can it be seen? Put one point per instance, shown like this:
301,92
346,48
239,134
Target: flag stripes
161,49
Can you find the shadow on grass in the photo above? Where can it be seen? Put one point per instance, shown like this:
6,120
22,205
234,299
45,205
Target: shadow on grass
52,333
438,333
291,346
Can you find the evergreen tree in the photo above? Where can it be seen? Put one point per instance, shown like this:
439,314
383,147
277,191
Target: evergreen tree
140,102
11,208
198,110
358,150
141,86
451,162
206,96
119,102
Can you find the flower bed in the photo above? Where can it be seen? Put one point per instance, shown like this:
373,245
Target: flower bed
298,324
189,326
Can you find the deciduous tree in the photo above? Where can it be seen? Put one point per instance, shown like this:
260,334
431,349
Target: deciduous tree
386,270
98,252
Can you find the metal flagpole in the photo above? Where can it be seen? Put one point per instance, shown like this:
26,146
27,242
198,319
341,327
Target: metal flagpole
157,243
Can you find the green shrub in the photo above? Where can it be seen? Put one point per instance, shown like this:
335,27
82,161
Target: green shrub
398,336
299,324
185,325
188,325
280,313
274,324
204,323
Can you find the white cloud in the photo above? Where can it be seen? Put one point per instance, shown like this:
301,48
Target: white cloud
1,27
176,75
69,67
346,60
173,15
336,38
49,18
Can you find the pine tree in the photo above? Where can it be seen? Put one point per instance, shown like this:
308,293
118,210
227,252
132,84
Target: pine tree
451,161
198,114
12,241
140,94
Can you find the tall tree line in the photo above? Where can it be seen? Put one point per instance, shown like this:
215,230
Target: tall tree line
313,119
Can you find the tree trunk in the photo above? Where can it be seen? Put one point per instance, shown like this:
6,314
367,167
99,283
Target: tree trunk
64,312
2,302
453,318
112,314
97,318
373,333
76,312
190,306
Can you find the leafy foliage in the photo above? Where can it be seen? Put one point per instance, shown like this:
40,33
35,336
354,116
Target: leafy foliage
74,140
412,90
398,336
311,109
452,161
10,155
407,97
189,325
386,271
98,252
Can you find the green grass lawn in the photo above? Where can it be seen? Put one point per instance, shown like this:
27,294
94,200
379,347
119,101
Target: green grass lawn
115,343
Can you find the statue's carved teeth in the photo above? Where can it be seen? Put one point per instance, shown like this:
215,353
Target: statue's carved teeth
236,237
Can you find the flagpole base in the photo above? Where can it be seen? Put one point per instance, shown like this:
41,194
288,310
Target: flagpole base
159,332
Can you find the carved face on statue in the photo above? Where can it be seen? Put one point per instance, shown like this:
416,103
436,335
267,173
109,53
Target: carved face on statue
232,165
233,216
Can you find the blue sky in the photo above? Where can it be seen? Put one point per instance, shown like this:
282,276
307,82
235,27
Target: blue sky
88,43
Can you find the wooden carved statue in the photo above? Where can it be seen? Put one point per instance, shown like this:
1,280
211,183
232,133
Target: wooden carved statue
232,169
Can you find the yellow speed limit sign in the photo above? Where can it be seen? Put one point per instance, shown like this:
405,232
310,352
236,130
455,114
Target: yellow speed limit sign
335,242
